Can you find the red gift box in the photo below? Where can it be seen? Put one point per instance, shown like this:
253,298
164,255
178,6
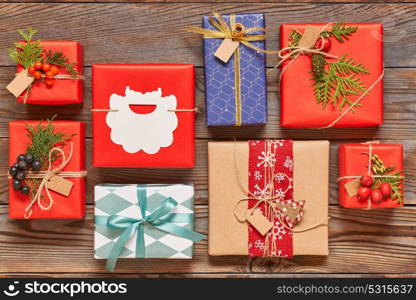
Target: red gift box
299,108
64,91
71,207
144,127
354,161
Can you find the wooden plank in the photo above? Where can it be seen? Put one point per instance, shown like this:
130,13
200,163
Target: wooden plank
381,241
116,32
399,111
199,175
207,1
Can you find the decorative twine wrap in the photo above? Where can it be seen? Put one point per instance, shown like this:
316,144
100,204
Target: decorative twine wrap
161,218
236,32
48,174
58,76
272,202
292,53
370,153
195,110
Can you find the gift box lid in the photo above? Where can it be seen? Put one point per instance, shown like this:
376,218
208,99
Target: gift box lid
299,108
64,91
160,137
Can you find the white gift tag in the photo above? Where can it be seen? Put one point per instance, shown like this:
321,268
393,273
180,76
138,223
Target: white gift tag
20,83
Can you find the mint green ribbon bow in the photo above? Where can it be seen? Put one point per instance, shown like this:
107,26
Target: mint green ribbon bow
161,218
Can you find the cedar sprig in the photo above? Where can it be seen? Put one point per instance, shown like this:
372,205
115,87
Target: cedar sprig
294,38
378,168
26,54
339,82
340,31
59,59
43,138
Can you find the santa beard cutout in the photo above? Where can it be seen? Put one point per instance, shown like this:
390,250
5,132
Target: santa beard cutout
148,132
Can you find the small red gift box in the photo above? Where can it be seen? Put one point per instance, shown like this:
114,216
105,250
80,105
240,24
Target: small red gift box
299,107
64,91
354,162
143,115
71,207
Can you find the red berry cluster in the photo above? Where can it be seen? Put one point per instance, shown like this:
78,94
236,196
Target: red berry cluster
39,70
367,190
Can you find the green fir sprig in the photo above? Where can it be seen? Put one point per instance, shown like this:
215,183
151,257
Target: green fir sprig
59,59
334,82
26,54
378,168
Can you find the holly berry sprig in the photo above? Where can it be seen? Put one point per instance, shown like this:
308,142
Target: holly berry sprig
334,81
40,64
380,188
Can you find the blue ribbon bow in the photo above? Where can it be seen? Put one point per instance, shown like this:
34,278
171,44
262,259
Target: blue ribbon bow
161,218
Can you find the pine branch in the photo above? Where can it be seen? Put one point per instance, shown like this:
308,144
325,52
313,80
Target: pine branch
59,59
26,54
294,38
340,31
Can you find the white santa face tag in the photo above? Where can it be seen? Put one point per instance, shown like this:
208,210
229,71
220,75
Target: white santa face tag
135,130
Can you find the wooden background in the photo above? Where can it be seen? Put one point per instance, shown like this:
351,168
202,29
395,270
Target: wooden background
362,243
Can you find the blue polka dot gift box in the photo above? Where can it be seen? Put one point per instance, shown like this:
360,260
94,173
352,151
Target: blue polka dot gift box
235,90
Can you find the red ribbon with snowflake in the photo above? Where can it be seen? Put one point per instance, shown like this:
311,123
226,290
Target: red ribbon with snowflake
271,177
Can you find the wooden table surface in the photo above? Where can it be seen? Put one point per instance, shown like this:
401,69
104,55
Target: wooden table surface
362,243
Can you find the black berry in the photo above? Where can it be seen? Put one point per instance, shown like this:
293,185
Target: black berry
16,165
23,165
21,157
13,170
21,175
29,158
36,165
17,184
25,190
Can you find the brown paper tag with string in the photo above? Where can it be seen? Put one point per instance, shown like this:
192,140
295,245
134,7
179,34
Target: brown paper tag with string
226,49
60,185
20,83
352,187
310,36
259,221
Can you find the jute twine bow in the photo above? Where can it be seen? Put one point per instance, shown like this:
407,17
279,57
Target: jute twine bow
370,153
47,175
270,200
58,76
292,53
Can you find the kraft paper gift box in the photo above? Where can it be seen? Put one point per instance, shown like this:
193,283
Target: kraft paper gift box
299,106
241,170
235,91
128,201
354,162
63,207
144,115
64,91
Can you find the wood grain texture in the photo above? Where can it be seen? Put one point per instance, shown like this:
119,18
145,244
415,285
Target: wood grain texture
381,242
154,32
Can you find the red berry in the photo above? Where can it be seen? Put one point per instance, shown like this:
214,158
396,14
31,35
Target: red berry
54,69
37,75
363,193
385,189
46,67
49,82
367,181
31,70
49,75
376,196
38,65
323,44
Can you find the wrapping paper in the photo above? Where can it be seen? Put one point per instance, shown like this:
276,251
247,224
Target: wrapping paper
122,200
352,162
220,79
72,207
298,104
172,81
228,236
64,91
